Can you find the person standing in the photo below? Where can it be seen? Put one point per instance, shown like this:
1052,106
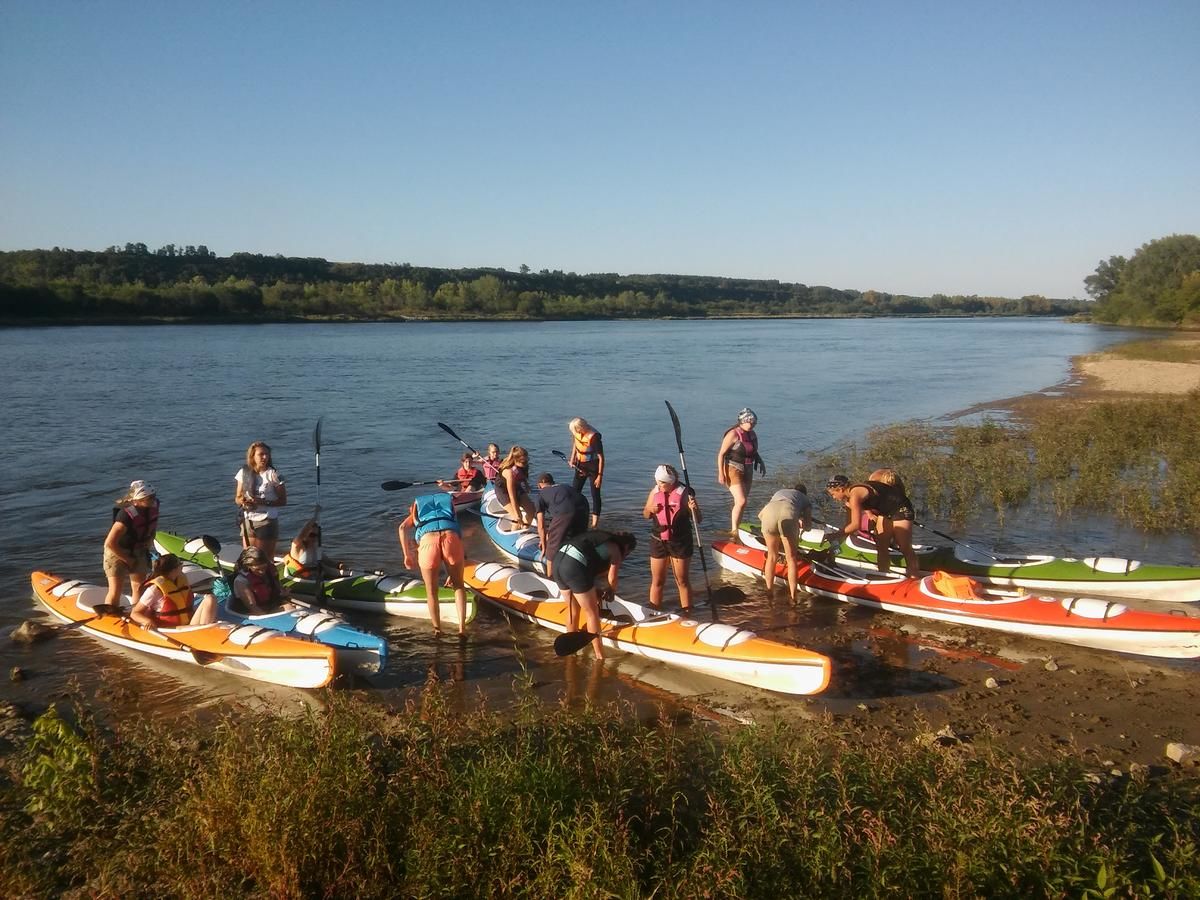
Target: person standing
578,561
737,458
786,515
561,512
587,457
127,544
259,493
884,497
671,507
431,533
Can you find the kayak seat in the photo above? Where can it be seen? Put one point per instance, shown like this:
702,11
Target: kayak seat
1112,565
1093,607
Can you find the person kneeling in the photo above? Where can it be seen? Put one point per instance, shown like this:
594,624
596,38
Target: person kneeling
166,601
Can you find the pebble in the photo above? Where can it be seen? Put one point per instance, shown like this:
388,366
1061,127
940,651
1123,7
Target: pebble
1051,666
1183,753
16,673
991,683
29,632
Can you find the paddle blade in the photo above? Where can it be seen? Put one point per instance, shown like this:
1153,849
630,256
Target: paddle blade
728,594
559,454
211,544
572,642
396,485
317,436
675,425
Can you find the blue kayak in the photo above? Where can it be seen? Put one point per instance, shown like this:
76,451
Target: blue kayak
520,544
357,651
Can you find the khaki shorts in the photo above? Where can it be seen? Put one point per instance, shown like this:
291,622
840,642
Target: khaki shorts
116,567
440,547
776,518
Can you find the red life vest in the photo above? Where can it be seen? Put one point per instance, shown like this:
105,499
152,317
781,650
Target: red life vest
667,518
177,598
264,586
143,523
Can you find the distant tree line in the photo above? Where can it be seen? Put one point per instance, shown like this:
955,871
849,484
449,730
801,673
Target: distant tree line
192,282
1158,285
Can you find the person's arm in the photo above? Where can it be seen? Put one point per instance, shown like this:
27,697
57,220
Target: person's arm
541,529
758,460
280,495
241,496
599,462
510,482
694,507
726,443
407,544
112,542
651,508
854,505
141,610
614,567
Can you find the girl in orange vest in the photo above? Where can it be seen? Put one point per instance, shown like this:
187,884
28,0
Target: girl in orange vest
587,456
166,601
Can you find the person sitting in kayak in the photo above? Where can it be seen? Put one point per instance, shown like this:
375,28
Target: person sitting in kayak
491,462
431,534
305,551
562,512
671,508
467,478
786,515
576,566
587,457
127,544
166,601
259,492
882,495
512,487
256,587
737,458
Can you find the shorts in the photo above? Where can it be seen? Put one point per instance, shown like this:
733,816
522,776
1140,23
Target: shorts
440,547
734,475
660,549
777,517
115,566
900,511
263,531
572,575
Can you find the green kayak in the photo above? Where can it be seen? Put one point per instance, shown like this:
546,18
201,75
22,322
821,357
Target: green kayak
1108,576
402,594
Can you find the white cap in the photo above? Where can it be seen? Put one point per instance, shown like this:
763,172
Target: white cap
663,474
139,490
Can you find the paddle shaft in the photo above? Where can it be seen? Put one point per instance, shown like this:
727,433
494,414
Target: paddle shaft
450,431
960,543
402,485
567,460
712,606
320,580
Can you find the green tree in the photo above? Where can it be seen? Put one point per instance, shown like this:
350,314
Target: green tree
1158,285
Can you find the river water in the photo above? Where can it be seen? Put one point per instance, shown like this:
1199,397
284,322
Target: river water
89,409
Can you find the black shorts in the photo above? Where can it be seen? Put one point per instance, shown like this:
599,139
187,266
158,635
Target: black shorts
572,575
660,549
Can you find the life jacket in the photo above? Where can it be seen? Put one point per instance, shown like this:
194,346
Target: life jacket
143,523
264,586
520,481
176,603
744,450
468,479
584,548
673,502
491,468
297,568
882,498
587,447
434,512
960,587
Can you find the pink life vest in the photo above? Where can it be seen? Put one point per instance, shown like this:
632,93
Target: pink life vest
666,518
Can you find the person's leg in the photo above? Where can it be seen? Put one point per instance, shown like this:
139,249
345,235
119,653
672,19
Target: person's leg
658,580
452,556
883,545
206,611
773,542
595,503
902,531
738,490
590,602
116,572
680,566
429,559
789,554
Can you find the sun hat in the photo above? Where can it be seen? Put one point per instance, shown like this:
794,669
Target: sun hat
747,415
139,490
665,475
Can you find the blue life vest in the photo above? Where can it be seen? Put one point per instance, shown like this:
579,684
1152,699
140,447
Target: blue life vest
434,512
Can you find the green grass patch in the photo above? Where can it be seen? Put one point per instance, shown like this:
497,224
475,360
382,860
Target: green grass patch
1180,350
357,801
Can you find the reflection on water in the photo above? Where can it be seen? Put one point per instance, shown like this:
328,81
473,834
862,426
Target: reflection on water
80,431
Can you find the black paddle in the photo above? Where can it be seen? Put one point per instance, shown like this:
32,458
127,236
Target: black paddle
450,431
402,485
100,609
202,657
712,605
319,587
567,460
941,534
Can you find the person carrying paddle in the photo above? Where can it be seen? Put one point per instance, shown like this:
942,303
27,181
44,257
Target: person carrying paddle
671,507
491,462
256,587
577,564
786,515
587,457
562,512
166,601
259,493
305,552
882,495
512,487
127,544
737,458
432,535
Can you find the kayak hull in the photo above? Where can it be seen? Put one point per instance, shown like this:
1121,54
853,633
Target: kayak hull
521,545
1097,576
1095,622
402,594
716,649
245,650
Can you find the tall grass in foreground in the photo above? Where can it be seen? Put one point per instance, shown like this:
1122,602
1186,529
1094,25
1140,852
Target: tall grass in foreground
1134,459
360,802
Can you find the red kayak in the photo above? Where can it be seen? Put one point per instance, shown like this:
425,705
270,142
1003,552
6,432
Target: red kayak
1083,621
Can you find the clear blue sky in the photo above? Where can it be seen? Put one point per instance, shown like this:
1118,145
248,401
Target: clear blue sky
955,147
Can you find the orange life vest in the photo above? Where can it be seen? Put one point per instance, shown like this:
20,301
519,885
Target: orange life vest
176,602
585,447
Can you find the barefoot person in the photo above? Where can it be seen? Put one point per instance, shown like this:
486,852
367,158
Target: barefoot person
587,456
671,508
882,495
512,487
562,512
127,544
576,566
786,515
737,458
259,493
431,534
166,601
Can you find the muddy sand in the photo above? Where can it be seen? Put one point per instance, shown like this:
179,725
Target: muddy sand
1037,699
